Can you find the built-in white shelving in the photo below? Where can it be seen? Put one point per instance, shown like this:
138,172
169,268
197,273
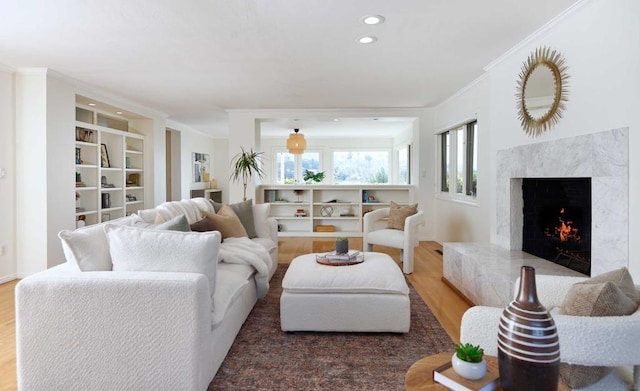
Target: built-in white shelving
109,169
339,206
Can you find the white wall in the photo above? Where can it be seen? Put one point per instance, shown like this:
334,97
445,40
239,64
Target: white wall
458,221
60,165
8,265
600,41
221,167
192,141
31,171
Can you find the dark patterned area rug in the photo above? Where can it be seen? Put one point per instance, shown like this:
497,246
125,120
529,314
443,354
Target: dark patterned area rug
263,357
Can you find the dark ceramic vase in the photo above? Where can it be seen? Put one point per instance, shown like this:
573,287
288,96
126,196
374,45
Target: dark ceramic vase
528,346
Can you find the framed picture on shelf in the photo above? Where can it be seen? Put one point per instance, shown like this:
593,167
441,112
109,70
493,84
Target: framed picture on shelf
104,156
78,156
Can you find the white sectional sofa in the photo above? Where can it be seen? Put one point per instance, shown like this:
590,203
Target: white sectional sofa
138,330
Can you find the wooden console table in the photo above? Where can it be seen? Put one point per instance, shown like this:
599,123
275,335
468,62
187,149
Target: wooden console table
420,376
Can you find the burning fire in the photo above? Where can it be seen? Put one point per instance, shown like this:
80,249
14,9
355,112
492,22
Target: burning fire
565,232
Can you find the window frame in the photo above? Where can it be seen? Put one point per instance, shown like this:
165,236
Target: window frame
468,129
298,173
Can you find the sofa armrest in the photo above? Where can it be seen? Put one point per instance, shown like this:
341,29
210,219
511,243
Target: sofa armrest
113,330
605,340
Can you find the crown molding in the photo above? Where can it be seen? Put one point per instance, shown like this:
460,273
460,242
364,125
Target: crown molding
538,33
180,127
462,91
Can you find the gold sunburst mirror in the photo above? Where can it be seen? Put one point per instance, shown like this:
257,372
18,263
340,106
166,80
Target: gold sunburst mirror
542,91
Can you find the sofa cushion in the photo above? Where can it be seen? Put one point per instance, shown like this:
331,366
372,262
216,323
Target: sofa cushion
609,294
267,243
204,225
229,285
87,248
244,211
228,223
260,216
140,249
178,223
399,213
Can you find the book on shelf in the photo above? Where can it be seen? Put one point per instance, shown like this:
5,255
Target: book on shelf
447,376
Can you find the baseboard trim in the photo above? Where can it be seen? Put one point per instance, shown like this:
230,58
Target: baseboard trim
8,278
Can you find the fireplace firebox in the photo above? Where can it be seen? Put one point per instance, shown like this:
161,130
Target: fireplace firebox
557,221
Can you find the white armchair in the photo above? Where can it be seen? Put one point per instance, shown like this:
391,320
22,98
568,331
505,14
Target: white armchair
594,341
375,232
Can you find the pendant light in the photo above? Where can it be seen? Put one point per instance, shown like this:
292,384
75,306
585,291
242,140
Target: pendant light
296,143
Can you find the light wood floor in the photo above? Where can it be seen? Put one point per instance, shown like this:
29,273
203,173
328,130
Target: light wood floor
446,305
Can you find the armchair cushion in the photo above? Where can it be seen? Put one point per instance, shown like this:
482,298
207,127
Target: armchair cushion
399,213
609,294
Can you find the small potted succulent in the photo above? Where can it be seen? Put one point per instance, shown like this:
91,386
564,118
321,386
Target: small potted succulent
342,245
468,361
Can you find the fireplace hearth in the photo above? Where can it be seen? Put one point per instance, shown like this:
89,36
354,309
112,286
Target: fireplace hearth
557,221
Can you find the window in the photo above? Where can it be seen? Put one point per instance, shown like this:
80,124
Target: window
404,165
445,139
459,160
357,167
290,168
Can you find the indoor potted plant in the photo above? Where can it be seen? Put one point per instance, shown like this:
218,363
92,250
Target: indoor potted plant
310,176
342,245
245,164
468,361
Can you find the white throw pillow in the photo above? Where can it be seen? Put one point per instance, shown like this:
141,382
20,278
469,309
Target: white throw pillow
260,216
87,248
139,249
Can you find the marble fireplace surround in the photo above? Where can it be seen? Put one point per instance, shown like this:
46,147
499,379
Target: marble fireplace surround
603,157
485,273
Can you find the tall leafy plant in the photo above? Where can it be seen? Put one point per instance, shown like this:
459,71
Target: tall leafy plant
244,166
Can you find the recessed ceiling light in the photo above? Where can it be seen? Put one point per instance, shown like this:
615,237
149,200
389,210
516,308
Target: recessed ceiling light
367,39
373,19
118,112
92,104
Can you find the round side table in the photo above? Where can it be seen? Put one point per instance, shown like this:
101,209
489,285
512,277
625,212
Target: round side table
420,376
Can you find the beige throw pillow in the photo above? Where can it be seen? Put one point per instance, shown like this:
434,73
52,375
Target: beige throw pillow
609,294
399,213
227,222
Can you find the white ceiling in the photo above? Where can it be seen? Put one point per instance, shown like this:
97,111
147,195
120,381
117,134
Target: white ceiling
192,59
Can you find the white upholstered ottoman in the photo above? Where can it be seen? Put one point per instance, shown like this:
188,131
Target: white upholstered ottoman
369,296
